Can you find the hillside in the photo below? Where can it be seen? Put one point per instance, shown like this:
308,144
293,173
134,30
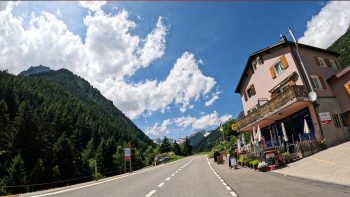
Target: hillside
342,46
196,137
208,142
55,125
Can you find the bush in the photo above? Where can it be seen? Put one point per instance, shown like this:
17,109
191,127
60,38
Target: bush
323,144
210,154
287,157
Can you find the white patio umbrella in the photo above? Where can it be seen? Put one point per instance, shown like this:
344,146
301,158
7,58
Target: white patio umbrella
244,142
285,137
259,134
254,135
306,128
239,145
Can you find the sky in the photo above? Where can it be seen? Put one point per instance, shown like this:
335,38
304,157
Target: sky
171,67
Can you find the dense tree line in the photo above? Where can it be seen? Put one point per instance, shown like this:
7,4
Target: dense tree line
54,126
185,149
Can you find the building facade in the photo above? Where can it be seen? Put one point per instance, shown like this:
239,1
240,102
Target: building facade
274,90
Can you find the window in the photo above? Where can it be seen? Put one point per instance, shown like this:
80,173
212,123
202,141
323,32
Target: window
322,62
251,91
316,83
334,65
343,120
278,68
336,120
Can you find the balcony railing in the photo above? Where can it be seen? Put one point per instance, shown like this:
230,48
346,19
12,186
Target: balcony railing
290,95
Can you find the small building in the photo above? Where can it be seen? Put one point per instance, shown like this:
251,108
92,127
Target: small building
274,89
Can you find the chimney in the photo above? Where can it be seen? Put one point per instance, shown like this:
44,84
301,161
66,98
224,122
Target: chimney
283,38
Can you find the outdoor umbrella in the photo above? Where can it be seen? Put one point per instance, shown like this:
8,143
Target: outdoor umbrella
243,141
285,137
306,128
254,135
239,145
259,134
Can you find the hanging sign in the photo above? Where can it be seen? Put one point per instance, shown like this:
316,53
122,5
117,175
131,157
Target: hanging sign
325,117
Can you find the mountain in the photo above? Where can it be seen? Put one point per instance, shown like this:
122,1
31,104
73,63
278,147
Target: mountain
196,137
34,70
54,126
208,141
342,46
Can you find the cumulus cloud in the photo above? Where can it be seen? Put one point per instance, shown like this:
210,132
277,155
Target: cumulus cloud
185,83
92,5
3,5
328,25
202,122
159,130
214,98
109,55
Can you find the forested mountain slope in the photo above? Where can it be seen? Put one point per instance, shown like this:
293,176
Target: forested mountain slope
342,46
54,125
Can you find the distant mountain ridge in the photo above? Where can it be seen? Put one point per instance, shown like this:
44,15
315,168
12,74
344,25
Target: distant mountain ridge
197,136
342,46
35,70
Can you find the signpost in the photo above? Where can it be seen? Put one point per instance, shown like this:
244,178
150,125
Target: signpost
127,157
325,117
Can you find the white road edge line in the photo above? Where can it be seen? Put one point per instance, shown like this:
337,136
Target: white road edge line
222,181
100,182
167,179
150,193
160,185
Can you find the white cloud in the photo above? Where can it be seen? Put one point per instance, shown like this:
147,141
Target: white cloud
160,130
92,5
203,121
215,97
3,5
154,44
109,55
328,25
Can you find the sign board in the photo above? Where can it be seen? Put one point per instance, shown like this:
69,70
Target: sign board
325,117
234,127
127,154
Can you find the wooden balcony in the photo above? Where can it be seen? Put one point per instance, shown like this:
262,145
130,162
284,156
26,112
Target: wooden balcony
289,96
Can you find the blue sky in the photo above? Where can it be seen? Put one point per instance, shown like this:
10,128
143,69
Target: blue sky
213,39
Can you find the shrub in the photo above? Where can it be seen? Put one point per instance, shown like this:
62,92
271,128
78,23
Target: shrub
263,166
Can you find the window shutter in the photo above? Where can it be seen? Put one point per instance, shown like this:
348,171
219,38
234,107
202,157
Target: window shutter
317,61
323,83
291,82
336,62
245,96
347,87
328,63
284,62
272,72
253,89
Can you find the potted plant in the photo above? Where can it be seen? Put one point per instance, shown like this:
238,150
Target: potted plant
287,157
263,166
255,164
323,144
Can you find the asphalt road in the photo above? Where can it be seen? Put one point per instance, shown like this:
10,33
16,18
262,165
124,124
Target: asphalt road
196,176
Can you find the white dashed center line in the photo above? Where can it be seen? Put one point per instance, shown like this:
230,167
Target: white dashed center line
151,193
168,178
160,185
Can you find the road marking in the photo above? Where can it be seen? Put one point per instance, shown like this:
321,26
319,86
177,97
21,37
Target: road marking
176,172
160,185
168,178
222,181
324,161
104,181
173,175
151,193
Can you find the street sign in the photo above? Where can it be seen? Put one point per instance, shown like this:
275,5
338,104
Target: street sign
127,154
234,127
325,117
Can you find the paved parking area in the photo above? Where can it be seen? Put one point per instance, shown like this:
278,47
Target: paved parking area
331,165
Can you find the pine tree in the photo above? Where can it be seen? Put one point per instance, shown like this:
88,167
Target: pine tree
17,175
176,148
149,155
63,154
165,146
187,148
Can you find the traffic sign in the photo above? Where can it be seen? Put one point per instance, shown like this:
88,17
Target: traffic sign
127,154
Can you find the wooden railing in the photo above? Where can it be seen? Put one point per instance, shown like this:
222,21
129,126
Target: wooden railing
293,93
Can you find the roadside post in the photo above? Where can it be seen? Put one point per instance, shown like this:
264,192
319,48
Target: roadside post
127,157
